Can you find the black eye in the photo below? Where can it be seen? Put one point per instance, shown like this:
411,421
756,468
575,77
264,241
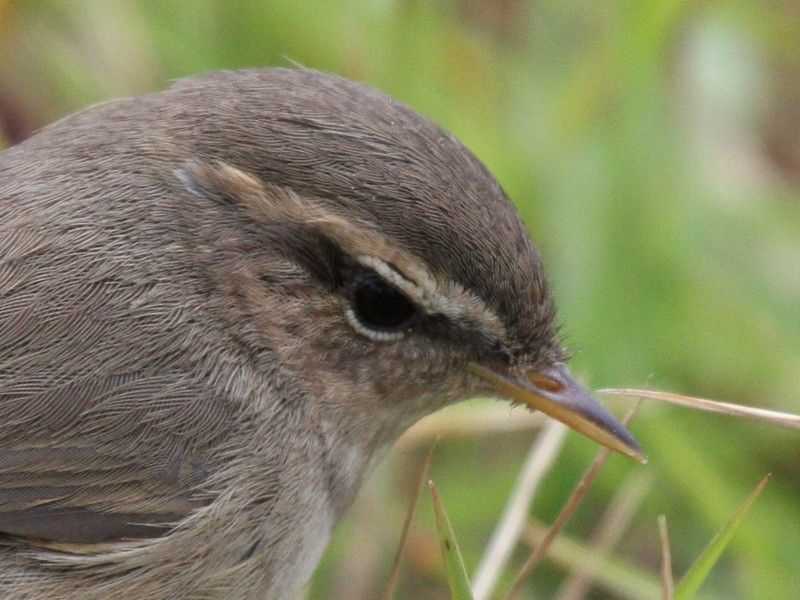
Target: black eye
380,306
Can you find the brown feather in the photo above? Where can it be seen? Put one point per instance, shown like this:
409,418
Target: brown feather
177,376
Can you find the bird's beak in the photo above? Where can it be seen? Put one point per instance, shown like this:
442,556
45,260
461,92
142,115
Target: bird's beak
555,392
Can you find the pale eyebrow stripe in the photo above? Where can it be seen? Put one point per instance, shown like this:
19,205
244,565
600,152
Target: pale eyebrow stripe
450,300
360,239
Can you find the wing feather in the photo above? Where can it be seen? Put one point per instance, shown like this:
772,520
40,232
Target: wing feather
106,424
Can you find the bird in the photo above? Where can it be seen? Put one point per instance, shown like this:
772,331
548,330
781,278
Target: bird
220,304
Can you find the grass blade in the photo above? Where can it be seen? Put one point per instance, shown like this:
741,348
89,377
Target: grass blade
454,564
698,572
398,559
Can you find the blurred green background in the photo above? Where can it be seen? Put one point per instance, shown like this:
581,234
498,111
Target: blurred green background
653,149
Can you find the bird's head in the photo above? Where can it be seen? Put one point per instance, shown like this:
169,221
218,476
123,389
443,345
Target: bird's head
388,265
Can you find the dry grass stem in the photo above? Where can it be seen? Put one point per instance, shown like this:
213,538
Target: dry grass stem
572,503
422,476
667,583
477,419
773,417
613,524
617,577
509,529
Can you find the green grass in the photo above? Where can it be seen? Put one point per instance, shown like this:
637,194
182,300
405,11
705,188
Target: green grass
639,141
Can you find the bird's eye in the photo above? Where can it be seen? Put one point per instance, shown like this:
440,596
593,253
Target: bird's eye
380,310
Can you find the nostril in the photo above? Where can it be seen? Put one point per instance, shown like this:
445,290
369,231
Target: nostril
543,382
